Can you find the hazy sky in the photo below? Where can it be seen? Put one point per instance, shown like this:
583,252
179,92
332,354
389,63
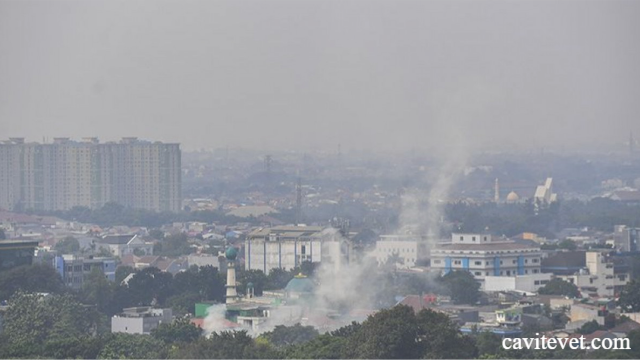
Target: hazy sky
311,74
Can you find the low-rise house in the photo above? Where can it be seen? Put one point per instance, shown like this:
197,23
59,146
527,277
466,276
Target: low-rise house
588,312
121,245
74,270
623,329
140,320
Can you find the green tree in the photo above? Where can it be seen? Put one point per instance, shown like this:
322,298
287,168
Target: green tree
439,337
225,345
567,244
156,234
97,290
84,347
324,346
173,245
278,279
181,330
488,344
256,277
68,245
629,299
282,336
388,334
32,320
461,286
132,346
589,327
30,278
558,286
122,272
149,284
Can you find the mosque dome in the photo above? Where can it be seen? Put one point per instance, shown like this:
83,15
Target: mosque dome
231,253
513,197
300,284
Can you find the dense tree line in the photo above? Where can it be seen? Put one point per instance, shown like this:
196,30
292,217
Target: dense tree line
512,219
115,214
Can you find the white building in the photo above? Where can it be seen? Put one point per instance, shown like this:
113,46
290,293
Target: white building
599,276
408,249
121,245
74,270
140,320
525,283
544,193
483,256
286,247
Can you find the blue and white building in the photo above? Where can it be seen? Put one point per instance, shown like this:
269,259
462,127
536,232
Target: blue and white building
74,270
483,255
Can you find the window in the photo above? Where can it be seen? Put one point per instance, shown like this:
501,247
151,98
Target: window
457,262
436,261
537,282
477,273
535,260
473,238
461,238
478,262
513,261
485,238
535,271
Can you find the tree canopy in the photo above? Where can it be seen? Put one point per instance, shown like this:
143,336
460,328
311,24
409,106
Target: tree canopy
558,286
461,286
629,299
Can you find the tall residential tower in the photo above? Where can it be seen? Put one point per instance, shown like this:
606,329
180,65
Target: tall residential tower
66,173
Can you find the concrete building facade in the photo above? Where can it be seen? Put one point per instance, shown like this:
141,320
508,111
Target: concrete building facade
408,249
75,270
286,247
122,245
483,256
626,238
66,173
527,283
599,277
140,320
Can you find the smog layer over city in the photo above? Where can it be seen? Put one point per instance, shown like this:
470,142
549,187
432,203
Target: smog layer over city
319,179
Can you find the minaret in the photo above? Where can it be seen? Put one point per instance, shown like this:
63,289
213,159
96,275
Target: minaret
496,195
232,294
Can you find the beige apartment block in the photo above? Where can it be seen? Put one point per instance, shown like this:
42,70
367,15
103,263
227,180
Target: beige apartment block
67,173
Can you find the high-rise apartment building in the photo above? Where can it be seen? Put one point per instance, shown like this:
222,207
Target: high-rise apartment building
66,173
